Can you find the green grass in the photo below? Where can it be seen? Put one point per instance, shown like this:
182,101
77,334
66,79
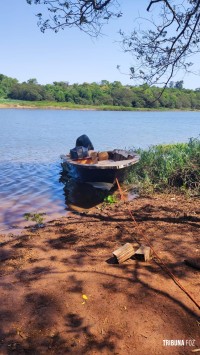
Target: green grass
63,105
72,106
168,167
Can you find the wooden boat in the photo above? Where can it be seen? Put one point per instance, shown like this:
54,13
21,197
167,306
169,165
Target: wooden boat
117,165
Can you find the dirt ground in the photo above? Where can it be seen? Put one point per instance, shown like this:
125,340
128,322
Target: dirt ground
131,308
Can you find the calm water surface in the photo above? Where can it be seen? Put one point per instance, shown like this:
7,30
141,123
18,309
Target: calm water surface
31,142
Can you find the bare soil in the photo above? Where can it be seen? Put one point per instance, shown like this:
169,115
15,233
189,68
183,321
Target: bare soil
131,308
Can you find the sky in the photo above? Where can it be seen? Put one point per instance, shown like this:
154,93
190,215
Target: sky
68,55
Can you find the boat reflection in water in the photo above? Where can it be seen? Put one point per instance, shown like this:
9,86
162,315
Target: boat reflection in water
84,195
91,176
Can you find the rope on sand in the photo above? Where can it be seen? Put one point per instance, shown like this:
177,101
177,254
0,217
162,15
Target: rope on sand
160,262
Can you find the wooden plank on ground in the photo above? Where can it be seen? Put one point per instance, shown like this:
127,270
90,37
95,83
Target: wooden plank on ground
125,252
144,252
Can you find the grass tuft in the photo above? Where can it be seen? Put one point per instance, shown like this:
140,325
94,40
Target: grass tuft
168,167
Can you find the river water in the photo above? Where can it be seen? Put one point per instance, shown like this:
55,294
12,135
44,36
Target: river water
31,142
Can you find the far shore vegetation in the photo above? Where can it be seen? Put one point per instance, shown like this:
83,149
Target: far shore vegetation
96,96
48,105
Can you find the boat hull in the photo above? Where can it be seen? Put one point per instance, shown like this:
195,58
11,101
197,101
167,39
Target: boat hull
96,175
105,171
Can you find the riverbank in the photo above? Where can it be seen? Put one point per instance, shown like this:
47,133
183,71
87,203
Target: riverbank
62,293
17,104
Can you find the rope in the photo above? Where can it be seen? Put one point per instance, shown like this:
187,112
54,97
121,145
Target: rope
177,282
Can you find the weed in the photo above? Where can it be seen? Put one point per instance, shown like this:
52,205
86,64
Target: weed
167,167
34,217
110,199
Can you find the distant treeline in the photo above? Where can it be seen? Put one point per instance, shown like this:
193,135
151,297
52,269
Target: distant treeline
103,93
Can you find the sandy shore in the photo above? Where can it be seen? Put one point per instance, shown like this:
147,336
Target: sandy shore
62,291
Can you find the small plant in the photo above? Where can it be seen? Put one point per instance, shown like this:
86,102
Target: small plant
34,217
110,199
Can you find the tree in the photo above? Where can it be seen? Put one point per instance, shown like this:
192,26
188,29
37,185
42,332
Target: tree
159,51
32,81
168,43
28,91
179,85
6,85
88,15
122,96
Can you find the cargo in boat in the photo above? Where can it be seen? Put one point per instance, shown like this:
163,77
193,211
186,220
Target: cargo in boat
111,165
84,164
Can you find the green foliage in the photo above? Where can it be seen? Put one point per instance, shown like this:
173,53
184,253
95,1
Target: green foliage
110,199
6,85
28,92
171,166
34,217
101,94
